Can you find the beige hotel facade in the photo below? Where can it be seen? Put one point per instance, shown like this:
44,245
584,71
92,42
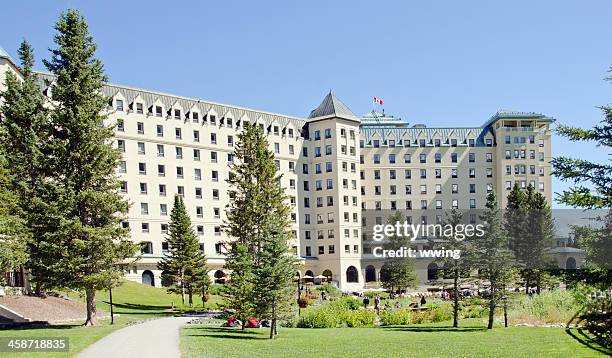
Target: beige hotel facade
335,165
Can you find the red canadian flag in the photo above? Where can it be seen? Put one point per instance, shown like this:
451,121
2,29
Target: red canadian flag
378,101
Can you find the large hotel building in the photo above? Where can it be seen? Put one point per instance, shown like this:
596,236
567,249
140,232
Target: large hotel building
335,165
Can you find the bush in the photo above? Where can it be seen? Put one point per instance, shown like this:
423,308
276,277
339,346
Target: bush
371,294
357,318
319,318
345,303
330,290
402,316
343,312
557,306
419,317
441,313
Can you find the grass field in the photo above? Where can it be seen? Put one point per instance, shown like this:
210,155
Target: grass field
428,340
132,302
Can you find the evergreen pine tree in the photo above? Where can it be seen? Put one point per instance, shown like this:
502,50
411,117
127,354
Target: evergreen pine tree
89,242
398,272
257,223
540,233
457,270
25,129
274,278
184,265
492,256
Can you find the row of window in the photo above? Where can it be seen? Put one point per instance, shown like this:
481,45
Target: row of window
176,113
328,134
393,205
423,173
453,142
523,140
392,158
423,189
145,228
521,154
332,250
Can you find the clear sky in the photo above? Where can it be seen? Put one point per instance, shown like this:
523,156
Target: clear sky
442,63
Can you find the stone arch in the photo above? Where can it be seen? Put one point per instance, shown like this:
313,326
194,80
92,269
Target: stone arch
351,274
309,273
327,273
570,263
370,274
148,278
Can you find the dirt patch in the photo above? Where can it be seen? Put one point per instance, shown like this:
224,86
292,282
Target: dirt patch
48,309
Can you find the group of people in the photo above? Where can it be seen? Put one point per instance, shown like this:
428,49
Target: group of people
377,303
252,322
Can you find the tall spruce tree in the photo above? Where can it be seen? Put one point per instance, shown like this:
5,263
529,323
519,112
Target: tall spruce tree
89,241
458,269
183,265
274,278
398,273
257,224
540,233
25,132
492,255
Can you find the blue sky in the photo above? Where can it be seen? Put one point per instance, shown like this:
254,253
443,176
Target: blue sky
442,63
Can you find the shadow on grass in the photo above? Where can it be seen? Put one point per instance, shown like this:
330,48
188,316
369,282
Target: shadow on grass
225,333
434,329
139,307
587,341
43,326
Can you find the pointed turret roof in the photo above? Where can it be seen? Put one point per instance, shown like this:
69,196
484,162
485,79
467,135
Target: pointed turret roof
4,53
332,107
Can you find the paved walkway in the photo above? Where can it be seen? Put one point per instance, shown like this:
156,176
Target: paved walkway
155,338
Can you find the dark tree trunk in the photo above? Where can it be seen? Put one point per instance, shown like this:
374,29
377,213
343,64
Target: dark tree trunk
456,299
491,306
91,307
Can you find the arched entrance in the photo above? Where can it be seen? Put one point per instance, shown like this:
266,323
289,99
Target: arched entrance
370,274
570,263
327,274
148,278
220,277
432,271
351,274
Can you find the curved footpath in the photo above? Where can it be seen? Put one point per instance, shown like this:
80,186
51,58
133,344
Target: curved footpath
155,338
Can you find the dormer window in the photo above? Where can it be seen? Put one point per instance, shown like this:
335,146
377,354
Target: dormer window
139,108
177,114
119,104
229,123
158,111
213,120
195,116
453,142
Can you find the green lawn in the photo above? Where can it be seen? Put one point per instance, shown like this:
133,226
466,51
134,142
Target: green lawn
428,340
132,301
